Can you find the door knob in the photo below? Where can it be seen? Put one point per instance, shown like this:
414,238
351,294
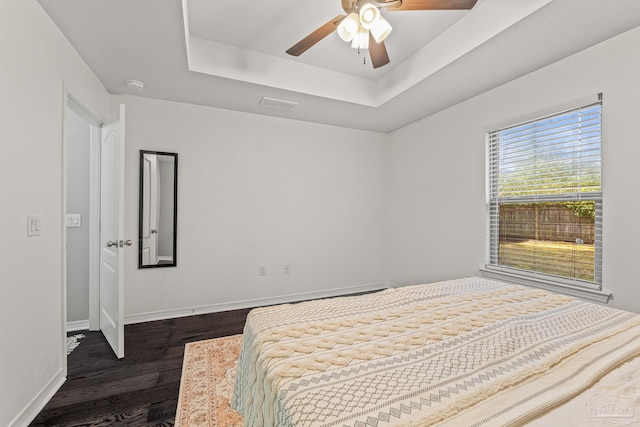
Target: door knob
120,243
154,231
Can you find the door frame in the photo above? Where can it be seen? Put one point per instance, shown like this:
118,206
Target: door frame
71,100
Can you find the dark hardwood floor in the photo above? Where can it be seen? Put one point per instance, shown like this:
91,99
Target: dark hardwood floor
141,389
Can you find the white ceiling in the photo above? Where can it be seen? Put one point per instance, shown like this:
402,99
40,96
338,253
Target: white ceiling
231,54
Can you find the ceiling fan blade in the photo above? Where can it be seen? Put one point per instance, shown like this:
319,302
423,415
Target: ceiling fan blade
378,53
313,38
434,5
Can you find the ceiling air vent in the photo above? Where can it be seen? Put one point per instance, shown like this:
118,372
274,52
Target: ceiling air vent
278,103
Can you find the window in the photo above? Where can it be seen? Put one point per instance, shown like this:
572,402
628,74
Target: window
545,197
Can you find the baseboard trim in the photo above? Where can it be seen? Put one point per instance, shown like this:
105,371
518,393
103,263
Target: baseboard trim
259,302
32,410
78,325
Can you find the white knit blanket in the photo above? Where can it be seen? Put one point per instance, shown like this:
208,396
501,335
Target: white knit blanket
423,355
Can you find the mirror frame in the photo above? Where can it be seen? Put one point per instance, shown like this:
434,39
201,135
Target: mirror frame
175,208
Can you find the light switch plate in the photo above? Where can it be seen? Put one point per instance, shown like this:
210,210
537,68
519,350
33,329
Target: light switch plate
34,225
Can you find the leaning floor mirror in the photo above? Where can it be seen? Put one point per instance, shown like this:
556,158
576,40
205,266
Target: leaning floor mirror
158,209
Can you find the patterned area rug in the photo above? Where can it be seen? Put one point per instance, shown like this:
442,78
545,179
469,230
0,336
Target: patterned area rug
73,342
206,386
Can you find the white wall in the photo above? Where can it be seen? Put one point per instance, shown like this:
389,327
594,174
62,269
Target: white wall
257,190
78,161
36,58
437,182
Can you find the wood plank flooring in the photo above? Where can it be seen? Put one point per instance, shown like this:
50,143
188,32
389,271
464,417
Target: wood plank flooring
140,390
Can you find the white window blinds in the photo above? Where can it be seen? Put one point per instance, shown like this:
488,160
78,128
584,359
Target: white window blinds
545,196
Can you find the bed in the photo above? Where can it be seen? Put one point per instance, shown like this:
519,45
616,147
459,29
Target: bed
466,352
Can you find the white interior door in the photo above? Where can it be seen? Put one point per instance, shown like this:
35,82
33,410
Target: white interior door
111,232
150,209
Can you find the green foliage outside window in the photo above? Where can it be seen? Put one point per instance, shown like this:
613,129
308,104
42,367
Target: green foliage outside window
583,209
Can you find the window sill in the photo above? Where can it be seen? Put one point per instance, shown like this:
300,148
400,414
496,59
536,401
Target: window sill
574,291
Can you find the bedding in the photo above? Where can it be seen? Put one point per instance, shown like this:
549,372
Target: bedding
613,401
467,352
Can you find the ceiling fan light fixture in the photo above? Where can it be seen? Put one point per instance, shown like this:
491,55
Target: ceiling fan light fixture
348,28
364,22
369,14
380,29
361,40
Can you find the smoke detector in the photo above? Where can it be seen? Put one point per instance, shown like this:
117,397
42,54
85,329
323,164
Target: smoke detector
135,84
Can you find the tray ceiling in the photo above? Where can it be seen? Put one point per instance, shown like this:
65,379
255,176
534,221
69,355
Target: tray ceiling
232,54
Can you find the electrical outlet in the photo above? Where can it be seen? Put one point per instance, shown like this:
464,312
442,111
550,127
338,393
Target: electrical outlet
74,220
34,225
287,269
262,270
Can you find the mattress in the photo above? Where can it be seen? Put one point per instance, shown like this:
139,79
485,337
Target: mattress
473,352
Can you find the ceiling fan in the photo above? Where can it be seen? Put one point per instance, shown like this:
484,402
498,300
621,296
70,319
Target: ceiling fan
365,27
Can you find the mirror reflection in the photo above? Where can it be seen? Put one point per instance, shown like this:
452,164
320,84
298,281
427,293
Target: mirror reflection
158,209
